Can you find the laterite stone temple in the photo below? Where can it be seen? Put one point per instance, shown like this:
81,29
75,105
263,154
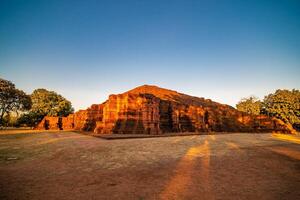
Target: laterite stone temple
152,110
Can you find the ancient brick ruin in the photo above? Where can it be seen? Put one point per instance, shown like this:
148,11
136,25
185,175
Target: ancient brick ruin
153,110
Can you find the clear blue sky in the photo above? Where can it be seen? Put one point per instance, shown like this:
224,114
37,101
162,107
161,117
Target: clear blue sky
86,50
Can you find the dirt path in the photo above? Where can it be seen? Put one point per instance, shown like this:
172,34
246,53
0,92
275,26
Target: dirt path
67,165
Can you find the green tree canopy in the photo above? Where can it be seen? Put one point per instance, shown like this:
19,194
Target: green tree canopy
50,103
285,105
249,105
12,99
29,119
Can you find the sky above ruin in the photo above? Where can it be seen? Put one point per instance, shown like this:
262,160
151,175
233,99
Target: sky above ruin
86,50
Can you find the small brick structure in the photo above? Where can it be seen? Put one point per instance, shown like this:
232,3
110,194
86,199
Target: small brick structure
56,123
153,110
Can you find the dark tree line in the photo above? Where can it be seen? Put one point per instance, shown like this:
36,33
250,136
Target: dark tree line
30,109
12,100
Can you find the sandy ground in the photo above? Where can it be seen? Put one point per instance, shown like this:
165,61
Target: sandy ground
67,165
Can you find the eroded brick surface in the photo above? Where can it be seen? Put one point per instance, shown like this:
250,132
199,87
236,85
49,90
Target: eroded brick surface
154,110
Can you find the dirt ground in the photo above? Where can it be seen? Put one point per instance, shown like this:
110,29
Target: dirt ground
68,165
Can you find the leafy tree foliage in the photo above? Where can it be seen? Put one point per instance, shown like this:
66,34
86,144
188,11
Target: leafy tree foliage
285,105
29,119
50,103
12,99
45,103
250,105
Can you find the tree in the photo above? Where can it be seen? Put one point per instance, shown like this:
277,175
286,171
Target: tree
29,119
284,105
49,103
249,105
12,100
